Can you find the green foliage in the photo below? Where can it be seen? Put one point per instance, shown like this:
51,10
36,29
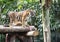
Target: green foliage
55,16
55,20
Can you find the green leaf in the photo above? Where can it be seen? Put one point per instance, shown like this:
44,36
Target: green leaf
25,2
30,1
20,6
37,0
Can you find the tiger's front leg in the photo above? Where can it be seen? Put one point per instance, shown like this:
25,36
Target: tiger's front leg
23,22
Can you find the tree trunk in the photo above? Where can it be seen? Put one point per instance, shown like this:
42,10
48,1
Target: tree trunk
46,24
16,29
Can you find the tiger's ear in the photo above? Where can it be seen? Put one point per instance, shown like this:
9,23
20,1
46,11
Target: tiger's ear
28,11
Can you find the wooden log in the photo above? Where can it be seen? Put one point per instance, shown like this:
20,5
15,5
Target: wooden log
6,38
32,33
15,29
28,39
12,39
25,38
